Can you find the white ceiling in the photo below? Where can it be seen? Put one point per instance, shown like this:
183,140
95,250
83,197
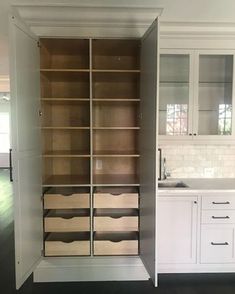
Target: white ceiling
174,10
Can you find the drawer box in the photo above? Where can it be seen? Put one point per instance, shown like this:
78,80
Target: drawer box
116,198
218,202
125,223
65,198
67,245
220,216
116,243
217,244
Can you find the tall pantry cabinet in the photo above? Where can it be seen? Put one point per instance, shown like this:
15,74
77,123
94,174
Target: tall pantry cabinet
84,139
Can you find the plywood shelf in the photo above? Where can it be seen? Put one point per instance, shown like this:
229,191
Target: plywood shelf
117,153
67,180
116,128
65,128
63,70
115,100
64,100
116,180
116,70
67,153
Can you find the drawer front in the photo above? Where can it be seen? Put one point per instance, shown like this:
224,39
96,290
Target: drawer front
59,248
125,247
217,244
125,223
220,216
59,224
218,202
59,201
106,200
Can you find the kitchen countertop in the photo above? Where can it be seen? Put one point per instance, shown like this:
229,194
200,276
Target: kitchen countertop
202,185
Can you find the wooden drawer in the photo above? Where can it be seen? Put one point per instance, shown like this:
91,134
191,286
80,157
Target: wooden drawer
218,202
217,244
220,216
116,243
67,245
63,198
125,223
116,198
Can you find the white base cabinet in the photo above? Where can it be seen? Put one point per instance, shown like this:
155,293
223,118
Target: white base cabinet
196,233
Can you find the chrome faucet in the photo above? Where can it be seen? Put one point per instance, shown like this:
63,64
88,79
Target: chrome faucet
165,172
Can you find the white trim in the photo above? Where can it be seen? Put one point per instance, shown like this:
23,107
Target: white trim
90,269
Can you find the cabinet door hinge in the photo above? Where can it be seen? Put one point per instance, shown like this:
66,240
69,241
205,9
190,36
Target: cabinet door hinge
40,112
38,44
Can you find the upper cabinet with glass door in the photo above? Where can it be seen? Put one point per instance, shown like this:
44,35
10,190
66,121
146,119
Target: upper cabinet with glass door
214,94
196,95
175,99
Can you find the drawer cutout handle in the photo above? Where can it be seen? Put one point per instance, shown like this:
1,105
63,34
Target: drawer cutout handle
219,244
220,217
116,194
226,202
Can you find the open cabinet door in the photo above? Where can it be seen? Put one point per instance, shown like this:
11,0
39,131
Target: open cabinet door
26,153
148,150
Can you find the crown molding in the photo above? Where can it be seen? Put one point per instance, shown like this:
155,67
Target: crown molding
87,20
197,30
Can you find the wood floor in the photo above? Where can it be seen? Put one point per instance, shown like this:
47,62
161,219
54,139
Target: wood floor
168,284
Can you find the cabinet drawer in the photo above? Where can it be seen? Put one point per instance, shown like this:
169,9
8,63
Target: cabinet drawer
59,224
218,202
125,223
217,244
67,245
59,198
220,216
108,200
116,244
116,198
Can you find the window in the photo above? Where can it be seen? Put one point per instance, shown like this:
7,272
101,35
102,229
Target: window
176,119
225,119
4,132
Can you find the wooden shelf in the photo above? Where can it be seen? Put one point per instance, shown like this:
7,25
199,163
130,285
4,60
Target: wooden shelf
116,128
64,100
116,180
63,70
117,153
115,100
67,153
67,180
65,128
116,70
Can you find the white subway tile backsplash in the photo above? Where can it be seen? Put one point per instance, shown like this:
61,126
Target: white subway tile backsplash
200,161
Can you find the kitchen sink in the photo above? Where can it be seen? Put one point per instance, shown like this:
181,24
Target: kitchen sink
172,184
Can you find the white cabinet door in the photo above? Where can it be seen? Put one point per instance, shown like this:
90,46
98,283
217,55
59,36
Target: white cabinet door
177,229
25,129
148,149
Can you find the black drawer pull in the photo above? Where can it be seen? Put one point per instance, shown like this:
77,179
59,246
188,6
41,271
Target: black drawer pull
220,244
220,217
226,202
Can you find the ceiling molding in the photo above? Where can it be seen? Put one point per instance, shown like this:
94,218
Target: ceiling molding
197,30
92,20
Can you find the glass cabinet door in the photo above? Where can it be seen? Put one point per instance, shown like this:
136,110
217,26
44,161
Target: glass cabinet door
215,95
174,94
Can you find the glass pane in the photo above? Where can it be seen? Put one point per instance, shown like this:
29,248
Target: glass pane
215,94
174,94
